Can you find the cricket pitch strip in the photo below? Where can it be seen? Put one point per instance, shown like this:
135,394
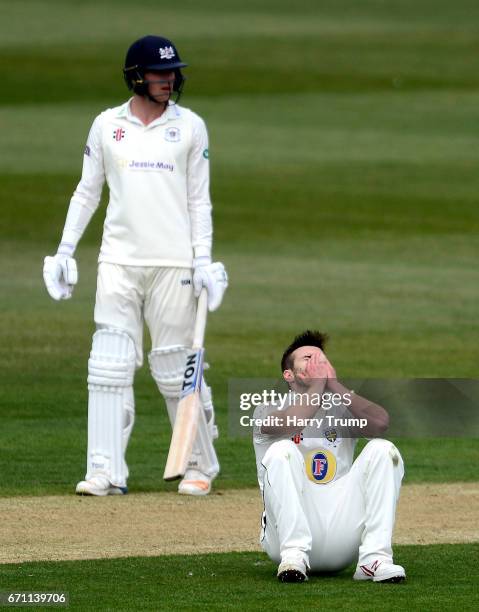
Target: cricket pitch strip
69,527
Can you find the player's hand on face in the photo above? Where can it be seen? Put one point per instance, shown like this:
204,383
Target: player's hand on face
213,276
331,371
325,364
315,372
60,275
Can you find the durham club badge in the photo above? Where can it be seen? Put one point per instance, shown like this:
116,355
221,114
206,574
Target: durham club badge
331,436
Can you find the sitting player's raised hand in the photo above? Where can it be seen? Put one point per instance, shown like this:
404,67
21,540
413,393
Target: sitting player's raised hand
330,370
315,372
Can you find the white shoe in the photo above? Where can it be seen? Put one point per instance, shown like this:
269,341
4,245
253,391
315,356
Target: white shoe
195,483
380,571
100,486
293,567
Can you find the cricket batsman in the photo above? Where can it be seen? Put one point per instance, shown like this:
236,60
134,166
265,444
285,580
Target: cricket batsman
155,258
322,511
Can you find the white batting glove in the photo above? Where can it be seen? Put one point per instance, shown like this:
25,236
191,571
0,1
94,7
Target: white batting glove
213,276
60,275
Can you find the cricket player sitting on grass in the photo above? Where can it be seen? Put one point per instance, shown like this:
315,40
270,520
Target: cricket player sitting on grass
322,511
155,257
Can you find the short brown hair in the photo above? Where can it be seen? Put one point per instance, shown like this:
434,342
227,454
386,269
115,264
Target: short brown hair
306,338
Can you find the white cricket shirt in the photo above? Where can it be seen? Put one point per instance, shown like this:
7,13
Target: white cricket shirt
327,455
159,209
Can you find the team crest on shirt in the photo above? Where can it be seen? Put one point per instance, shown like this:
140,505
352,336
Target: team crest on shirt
172,134
331,436
118,134
320,466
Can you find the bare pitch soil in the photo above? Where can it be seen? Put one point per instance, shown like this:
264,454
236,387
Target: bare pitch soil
150,524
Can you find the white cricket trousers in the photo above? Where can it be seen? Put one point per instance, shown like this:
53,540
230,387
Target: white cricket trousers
335,523
162,297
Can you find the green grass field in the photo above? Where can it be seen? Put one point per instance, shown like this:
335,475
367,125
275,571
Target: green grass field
344,156
246,581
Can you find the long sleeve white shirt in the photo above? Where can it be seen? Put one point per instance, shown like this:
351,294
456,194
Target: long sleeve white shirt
159,210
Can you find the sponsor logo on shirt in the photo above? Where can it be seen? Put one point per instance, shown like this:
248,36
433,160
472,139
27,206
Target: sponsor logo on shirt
206,154
297,438
87,150
121,162
118,134
320,466
149,165
172,134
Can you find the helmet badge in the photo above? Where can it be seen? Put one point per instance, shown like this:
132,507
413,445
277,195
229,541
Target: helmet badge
166,52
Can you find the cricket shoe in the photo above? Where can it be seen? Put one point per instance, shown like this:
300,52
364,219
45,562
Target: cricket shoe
380,571
195,483
100,486
293,567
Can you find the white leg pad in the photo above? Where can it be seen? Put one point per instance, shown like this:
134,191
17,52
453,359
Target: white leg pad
111,369
209,410
204,456
128,422
167,367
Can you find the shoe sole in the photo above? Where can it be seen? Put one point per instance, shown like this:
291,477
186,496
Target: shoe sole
291,575
194,487
101,492
392,580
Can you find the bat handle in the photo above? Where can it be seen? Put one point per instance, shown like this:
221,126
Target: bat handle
200,323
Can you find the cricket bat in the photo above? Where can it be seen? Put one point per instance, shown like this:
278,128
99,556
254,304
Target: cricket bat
189,406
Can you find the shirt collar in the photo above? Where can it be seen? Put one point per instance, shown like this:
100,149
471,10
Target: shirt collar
171,113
